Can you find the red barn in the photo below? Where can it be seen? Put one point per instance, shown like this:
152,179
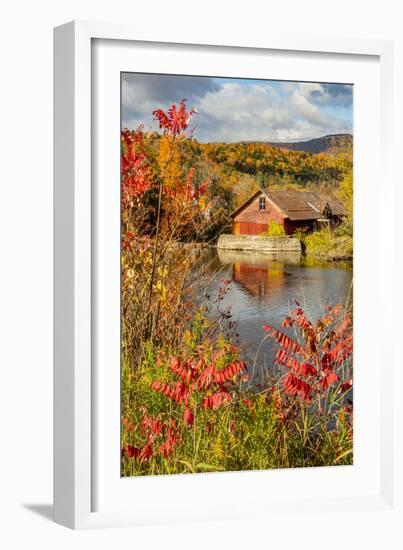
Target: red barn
293,210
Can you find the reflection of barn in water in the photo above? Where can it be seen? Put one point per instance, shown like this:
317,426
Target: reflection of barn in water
260,275
259,281
264,290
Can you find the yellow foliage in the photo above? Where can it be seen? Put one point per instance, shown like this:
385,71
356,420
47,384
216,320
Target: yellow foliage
346,193
217,451
169,161
274,229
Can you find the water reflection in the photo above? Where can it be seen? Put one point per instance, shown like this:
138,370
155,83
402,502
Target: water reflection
264,289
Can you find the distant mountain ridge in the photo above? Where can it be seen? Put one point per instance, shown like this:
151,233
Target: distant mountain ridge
331,143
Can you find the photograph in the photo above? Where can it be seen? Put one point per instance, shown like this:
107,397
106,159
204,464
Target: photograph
201,290
236,288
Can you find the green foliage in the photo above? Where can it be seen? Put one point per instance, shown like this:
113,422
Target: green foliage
274,229
335,243
330,244
346,193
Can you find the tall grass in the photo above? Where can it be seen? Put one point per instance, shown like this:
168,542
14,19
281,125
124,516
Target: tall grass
191,409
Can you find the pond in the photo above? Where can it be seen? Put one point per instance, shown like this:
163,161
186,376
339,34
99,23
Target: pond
265,288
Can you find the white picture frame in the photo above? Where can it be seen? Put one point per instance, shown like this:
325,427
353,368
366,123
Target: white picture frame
77,472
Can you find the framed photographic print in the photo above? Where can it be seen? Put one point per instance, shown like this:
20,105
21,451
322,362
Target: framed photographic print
219,243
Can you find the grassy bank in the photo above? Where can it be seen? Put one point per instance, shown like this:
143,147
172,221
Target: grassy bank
191,409
329,244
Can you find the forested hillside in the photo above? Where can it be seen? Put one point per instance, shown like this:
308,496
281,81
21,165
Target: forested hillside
236,170
332,144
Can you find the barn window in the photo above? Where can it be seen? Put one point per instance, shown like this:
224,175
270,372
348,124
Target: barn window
262,203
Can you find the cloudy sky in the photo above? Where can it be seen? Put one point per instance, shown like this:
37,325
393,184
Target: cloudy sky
239,109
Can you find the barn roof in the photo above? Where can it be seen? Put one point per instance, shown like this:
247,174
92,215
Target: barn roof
299,205
319,200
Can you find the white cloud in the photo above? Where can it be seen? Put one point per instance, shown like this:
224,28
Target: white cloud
259,112
242,110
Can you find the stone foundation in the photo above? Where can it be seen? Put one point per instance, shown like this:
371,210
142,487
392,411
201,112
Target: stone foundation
260,244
